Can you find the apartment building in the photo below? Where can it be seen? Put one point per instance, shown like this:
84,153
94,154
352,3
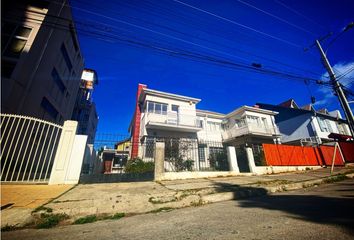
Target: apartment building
41,60
306,126
85,109
161,115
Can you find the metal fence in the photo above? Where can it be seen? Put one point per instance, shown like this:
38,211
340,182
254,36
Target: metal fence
188,154
28,147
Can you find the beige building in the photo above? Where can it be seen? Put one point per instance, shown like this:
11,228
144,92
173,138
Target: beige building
41,59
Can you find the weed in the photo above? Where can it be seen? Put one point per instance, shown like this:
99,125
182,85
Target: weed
51,220
87,219
163,209
198,203
336,178
42,208
7,228
118,216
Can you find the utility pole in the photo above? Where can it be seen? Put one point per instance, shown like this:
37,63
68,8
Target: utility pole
338,89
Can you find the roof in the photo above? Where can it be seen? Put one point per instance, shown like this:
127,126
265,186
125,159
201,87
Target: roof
289,103
286,113
252,109
146,91
210,113
308,107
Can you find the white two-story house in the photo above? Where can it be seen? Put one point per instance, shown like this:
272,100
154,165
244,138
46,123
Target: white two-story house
169,117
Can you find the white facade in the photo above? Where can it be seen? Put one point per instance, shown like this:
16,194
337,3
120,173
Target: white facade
175,116
250,121
168,115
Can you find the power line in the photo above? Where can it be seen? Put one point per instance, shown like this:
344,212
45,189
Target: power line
276,17
240,50
239,24
193,56
299,14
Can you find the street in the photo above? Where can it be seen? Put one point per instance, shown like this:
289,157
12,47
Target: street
323,212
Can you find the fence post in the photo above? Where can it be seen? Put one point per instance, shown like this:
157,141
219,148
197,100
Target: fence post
159,157
62,156
250,158
232,159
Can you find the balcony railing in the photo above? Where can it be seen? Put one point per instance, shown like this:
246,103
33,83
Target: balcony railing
249,129
171,119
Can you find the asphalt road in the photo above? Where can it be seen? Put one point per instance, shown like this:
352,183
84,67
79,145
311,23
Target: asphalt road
324,212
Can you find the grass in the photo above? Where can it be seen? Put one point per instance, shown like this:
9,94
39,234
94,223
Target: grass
51,220
7,228
336,178
42,208
87,219
94,218
197,204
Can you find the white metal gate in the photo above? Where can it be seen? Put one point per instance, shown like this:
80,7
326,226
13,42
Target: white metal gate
28,147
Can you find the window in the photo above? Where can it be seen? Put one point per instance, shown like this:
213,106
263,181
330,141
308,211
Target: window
325,125
66,57
253,120
58,81
200,123
49,108
174,108
201,152
14,39
158,108
240,122
213,126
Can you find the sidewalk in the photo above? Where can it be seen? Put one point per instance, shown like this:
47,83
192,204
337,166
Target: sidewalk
143,197
18,201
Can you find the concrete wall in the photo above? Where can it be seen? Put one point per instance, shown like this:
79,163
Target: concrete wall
283,169
31,80
69,156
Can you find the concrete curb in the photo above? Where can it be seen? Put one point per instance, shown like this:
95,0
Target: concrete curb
250,191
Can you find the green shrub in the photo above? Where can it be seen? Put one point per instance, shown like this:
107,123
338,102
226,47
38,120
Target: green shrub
87,219
218,161
137,165
51,220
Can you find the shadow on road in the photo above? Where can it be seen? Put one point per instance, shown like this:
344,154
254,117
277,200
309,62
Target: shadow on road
337,209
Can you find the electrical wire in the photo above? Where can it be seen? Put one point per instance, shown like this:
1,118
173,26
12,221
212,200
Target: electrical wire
276,17
239,24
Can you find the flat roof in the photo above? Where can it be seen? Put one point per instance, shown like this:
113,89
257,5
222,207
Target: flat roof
210,113
252,109
146,91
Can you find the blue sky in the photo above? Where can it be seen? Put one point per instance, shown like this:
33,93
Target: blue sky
131,41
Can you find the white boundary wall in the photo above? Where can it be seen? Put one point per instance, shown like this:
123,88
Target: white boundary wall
69,156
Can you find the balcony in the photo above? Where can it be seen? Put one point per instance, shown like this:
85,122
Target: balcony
250,129
172,121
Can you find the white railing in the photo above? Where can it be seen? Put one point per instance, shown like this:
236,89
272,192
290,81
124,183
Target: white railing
28,148
173,119
249,128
